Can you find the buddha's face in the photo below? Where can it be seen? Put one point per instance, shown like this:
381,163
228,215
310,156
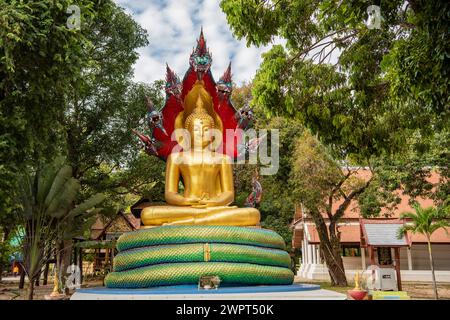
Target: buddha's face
200,131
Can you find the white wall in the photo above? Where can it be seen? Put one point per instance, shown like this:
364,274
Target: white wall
420,258
352,263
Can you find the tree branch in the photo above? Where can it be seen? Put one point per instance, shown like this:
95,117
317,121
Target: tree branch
340,211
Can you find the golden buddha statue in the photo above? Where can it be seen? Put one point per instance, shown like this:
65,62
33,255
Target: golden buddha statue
212,238
207,176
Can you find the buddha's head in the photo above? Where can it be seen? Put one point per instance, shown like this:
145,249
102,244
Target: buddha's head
200,125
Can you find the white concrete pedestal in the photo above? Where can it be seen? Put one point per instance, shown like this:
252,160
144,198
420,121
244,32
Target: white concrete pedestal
292,292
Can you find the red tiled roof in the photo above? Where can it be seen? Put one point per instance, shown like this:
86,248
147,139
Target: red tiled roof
353,212
439,236
349,234
352,234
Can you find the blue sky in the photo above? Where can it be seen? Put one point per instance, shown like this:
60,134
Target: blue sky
173,27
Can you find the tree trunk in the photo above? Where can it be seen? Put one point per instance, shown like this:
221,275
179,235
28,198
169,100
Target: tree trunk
432,270
335,265
22,278
45,280
38,279
30,290
331,250
64,255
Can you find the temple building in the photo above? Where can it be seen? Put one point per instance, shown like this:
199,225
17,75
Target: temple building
101,243
373,241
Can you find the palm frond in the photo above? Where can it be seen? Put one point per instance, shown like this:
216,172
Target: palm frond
408,215
46,177
64,174
88,204
62,202
404,229
439,224
25,197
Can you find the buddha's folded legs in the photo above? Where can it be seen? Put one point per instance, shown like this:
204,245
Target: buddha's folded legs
174,215
230,217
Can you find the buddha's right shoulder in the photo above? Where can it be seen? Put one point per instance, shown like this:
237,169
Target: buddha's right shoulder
174,156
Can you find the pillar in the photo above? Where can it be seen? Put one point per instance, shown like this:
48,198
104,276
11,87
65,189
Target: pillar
306,251
372,255
106,257
310,254
303,252
397,268
313,253
363,258
319,261
408,252
80,263
74,254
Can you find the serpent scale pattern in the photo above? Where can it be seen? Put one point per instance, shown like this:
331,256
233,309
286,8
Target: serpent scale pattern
190,273
200,234
219,252
174,255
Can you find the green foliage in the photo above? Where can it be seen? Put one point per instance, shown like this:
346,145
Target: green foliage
315,174
377,197
386,81
425,220
105,104
48,213
383,104
277,205
68,91
7,250
420,171
39,58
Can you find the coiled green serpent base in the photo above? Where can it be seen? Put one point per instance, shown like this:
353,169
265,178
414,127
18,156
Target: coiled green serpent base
173,255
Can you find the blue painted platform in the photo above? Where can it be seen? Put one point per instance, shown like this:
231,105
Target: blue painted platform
296,291
192,289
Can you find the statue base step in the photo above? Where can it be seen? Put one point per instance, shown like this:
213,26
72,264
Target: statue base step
295,291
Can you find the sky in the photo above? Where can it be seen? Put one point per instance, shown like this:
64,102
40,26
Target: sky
173,27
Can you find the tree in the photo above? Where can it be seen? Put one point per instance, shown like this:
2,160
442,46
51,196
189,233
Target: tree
318,182
426,221
104,105
358,105
405,58
103,108
277,205
6,251
39,58
68,91
48,213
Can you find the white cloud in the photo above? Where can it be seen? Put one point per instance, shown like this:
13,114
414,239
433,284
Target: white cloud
174,26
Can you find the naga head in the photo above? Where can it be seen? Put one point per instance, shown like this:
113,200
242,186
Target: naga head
154,117
225,86
200,59
173,83
245,117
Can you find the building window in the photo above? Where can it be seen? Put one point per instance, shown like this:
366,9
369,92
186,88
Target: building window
351,251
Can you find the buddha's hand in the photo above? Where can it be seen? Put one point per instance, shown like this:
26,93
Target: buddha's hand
191,201
204,203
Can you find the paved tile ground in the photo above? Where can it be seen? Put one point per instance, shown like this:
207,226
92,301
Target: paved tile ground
419,291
